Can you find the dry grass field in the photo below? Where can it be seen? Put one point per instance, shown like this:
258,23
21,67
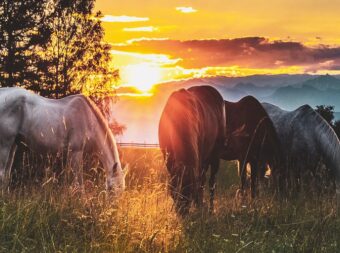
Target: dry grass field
54,217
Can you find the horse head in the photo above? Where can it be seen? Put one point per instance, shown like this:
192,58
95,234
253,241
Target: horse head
181,184
117,181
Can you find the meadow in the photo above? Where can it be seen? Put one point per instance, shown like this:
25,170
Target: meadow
52,216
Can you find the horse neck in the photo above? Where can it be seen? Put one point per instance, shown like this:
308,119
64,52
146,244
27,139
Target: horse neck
232,111
106,146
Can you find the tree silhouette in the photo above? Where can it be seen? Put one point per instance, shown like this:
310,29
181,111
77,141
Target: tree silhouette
76,60
23,33
327,112
54,47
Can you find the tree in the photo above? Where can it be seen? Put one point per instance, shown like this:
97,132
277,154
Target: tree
22,32
327,112
77,60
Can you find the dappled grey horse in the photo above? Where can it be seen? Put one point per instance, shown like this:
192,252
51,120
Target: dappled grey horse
306,140
50,126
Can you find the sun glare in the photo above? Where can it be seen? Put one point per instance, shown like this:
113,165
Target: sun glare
142,76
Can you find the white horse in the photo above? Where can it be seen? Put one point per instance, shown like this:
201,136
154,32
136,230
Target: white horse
50,127
306,140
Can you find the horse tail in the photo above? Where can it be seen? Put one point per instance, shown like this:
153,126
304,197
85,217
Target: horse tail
329,145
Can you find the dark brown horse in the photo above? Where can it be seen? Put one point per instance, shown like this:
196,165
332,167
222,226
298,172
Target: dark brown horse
191,135
251,138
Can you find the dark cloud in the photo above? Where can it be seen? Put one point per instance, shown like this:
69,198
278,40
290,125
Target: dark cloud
251,52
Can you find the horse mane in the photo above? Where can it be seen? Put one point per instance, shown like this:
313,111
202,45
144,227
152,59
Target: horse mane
258,112
181,117
252,102
211,95
330,148
102,121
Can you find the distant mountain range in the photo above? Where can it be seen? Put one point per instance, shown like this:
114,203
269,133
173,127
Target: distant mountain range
286,91
316,91
141,114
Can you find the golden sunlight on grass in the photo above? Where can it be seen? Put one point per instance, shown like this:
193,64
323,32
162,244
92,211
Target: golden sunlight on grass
55,218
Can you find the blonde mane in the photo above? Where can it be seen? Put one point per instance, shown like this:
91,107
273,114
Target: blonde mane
103,123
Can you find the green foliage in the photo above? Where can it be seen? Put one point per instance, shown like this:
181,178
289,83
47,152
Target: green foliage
57,218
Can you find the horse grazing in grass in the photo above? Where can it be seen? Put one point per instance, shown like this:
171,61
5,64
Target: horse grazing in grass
191,134
307,141
251,138
72,125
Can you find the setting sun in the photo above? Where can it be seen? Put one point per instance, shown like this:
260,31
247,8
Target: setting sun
142,76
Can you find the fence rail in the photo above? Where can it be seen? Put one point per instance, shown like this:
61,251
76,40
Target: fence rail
138,145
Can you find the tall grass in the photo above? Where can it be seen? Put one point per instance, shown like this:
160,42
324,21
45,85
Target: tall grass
53,217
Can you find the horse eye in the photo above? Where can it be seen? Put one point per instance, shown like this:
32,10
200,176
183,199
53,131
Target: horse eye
114,169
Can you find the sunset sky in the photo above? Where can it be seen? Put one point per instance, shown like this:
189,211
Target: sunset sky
157,40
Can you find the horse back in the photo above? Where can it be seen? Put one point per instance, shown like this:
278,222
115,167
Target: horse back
46,125
12,107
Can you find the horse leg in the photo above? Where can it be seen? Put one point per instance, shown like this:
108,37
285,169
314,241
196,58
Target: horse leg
76,166
7,152
199,198
283,180
297,180
337,192
212,182
243,175
253,175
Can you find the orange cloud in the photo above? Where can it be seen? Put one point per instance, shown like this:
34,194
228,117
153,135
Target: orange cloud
248,52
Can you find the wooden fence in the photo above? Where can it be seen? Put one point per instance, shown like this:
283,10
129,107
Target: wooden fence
138,145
